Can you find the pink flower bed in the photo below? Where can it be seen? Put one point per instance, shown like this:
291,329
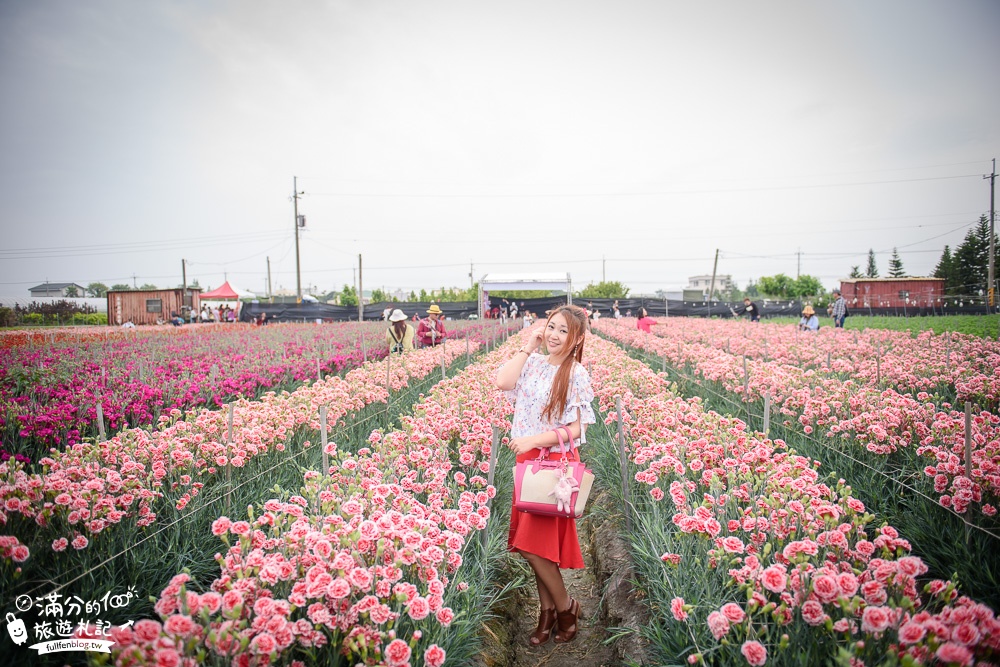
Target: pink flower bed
799,557
88,487
880,419
49,389
361,562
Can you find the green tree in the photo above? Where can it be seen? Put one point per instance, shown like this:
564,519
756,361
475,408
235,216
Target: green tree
856,272
413,296
97,290
604,290
971,259
378,296
148,286
896,269
348,296
946,269
71,291
872,270
752,290
805,286
121,286
423,297
777,286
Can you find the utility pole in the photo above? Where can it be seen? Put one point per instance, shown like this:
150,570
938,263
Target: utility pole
184,284
991,289
711,290
472,281
270,293
298,268
604,269
134,285
361,300
798,269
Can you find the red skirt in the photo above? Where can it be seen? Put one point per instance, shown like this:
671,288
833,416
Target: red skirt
551,537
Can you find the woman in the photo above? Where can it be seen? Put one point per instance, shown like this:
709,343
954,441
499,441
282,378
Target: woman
645,322
549,391
809,321
399,335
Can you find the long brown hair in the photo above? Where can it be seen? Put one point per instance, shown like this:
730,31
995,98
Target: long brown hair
400,329
576,325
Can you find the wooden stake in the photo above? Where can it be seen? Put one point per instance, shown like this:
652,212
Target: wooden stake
493,458
746,381
101,435
767,413
229,462
968,440
624,464
322,439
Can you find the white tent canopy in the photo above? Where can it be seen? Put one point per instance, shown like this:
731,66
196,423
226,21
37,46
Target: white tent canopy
492,282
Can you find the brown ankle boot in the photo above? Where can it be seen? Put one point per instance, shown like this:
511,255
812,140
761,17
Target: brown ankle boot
546,622
568,622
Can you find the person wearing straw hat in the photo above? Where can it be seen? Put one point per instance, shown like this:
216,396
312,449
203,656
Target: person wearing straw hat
431,331
399,334
809,321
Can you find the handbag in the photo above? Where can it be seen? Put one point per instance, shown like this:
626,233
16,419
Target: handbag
539,484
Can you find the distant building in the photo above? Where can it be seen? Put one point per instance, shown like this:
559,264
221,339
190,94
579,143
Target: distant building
892,292
723,284
56,289
151,306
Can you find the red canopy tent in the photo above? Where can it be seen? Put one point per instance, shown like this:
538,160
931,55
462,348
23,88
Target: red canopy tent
223,291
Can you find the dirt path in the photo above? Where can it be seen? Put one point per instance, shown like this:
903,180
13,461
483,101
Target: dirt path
587,650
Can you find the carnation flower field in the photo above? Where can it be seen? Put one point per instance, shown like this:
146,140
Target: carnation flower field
51,383
256,544
881,405
748,556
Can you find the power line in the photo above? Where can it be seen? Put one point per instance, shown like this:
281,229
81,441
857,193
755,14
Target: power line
648,193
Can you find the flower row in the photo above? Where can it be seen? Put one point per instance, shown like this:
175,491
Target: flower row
365,561
882,420
49,392
764,555
88,487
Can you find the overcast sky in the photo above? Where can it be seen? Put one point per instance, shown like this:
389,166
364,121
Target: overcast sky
627,139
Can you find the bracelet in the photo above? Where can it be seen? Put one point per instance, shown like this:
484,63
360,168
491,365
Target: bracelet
525,351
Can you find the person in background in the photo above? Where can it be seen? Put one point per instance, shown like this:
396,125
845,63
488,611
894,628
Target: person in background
615,313
513,310
751,309
839,309
628,313
645,322
549,391
527,320
386,313
809,321
431,331
262,319
399,334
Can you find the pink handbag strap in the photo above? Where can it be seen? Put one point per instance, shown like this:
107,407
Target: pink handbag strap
569,438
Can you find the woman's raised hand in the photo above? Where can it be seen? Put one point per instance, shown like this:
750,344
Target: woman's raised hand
534,340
